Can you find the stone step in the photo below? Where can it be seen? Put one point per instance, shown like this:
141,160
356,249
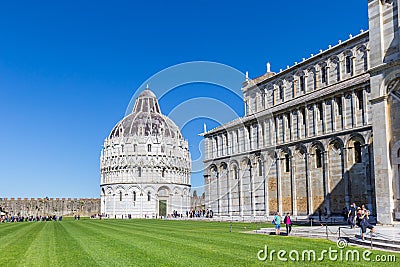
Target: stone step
375,244
379,239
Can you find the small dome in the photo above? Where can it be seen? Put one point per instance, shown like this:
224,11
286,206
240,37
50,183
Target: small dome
147,93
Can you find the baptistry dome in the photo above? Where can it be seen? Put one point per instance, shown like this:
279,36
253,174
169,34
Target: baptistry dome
146,120
145,164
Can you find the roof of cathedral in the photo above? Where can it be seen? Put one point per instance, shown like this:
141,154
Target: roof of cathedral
146,119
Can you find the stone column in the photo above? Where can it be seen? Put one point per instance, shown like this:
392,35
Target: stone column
353,109
277,134
323,123
307,126
345,174
353,66
293,181
265,184
365,106
308,184
333,115
279,183
340,64
344,113
384,174
327,74
291,125
315,119
326,183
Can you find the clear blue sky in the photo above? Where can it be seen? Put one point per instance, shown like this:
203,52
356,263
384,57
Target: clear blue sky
69,68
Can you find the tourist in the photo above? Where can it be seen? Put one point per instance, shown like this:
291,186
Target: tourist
277,222
288,223
362,221
352,215
345,213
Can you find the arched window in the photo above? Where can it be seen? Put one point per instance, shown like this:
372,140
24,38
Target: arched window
398,153
360,99
287,163
323,74
339,105
281,92
162,148
148,148
135,148
235,175
318,158
357,152
163,172
302,84
260,171
348,64
120,195
148,196
320,111
134,195
139,171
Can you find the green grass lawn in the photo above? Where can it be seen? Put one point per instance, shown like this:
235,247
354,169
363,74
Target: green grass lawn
150,243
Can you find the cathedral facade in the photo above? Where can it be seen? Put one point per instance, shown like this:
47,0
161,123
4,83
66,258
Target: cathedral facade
145,165
319,135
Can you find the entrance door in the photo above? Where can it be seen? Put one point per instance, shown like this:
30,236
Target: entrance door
162,208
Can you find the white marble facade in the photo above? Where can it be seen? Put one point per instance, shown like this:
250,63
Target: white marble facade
318,135
145,165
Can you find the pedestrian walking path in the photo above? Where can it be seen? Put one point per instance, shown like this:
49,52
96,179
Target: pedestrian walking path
385,237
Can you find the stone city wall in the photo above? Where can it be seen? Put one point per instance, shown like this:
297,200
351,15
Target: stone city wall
50,206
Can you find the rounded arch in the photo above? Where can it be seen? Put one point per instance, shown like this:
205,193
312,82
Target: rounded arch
245,162
223,166
396,152
233,163
316,145
356,137
336,143
300,150
390,83
212,169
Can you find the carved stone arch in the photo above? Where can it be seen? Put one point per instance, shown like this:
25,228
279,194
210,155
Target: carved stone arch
163,191
299,73
336,143
223,167
234,169
315,145
120,188
149,188
333,60
354,138
212,170
233,163
322,64
396,153
300,151
245,162
361,49
109,190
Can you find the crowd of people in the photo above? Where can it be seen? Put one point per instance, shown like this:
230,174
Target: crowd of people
355,216
200,213
18,218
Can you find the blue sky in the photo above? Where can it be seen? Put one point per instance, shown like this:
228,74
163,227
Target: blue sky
68,70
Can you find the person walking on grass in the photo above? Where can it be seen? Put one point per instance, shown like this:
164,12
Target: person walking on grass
288,223
277,222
